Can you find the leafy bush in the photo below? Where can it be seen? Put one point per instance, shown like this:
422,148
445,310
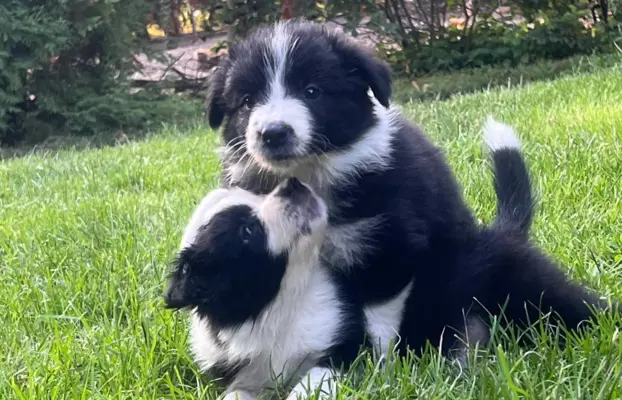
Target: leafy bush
531,9
63,68
64,63
492,42
415,39
242,15
30,35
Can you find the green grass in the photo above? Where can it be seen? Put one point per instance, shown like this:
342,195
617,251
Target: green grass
86,237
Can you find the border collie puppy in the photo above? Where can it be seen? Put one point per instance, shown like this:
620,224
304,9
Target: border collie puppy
297,99
262,306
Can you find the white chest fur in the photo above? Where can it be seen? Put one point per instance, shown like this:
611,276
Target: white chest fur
285,340
383,321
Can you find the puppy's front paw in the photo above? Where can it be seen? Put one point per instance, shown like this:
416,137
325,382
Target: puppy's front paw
238,395
321,379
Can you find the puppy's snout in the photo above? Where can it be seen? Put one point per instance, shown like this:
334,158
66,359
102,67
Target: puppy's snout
276,134
173,296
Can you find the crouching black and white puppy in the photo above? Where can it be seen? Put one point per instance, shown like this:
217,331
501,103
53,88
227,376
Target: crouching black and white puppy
262,307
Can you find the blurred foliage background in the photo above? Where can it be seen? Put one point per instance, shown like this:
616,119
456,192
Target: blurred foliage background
106,67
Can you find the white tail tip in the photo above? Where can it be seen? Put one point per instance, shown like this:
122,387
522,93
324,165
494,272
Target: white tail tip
499,136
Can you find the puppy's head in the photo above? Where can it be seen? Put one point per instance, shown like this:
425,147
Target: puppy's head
231,267
295,90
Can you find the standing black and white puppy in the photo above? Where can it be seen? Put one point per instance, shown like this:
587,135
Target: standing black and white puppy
297,99
262,306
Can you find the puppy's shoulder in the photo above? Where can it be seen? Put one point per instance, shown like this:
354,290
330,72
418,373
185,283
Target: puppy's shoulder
411,144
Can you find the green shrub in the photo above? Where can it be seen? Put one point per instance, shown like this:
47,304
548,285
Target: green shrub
64,63
426,45
499,43
530,9
63,69
29,36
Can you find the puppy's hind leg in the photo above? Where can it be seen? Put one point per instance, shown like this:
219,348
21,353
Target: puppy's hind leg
318,378
537,286
475,334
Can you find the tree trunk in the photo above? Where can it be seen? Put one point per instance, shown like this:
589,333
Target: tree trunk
193,21
287,9
175,18
231,28
604,8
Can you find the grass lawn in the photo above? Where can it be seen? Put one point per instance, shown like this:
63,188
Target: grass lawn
86,237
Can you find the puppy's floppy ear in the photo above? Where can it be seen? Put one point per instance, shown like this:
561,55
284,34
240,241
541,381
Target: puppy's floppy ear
362,63
216,107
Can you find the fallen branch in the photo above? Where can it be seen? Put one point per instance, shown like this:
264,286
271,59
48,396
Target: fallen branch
170,65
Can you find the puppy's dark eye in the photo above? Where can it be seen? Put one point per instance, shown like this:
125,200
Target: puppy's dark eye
185,269
248,232
312,92
247,101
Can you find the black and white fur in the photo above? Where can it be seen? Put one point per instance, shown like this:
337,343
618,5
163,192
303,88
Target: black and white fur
395,209
297,99
497,271
263,309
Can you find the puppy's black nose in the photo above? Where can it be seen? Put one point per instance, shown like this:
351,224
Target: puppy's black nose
276,134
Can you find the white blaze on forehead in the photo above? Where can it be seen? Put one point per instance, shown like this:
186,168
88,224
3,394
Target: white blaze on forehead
280,46
279,106
215,202
284,230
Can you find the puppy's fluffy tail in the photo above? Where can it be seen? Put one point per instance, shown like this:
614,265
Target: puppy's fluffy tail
515,202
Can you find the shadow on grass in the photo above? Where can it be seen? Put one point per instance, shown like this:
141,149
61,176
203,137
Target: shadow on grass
57,143
446,85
